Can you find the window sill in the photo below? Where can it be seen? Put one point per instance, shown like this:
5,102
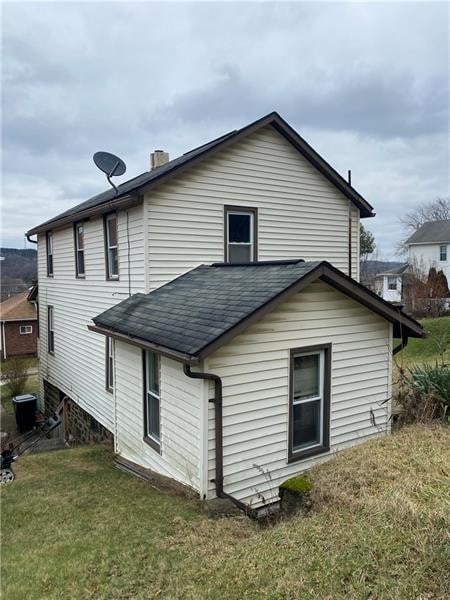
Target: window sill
51,352
80,276
112,278
308,453
150,442
109,390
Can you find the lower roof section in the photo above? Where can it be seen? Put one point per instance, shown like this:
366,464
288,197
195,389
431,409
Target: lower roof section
200,311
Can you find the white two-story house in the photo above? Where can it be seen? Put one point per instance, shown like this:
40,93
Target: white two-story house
209,316
429,246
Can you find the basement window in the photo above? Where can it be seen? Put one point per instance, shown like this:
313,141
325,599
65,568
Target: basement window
310,373
240,234
25,329
152,398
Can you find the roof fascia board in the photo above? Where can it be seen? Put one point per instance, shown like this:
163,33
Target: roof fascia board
327,274
435,243
115,204
179,356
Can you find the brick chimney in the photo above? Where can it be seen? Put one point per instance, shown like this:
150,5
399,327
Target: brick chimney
158,158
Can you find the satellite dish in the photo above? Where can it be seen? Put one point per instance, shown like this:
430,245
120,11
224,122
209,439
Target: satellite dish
110,164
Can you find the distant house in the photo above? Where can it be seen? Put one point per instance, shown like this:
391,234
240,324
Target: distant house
18,321
429,247
388,284
209,316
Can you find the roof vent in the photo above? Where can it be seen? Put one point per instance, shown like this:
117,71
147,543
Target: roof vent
158,158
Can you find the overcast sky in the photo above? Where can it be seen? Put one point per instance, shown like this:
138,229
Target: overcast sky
366,84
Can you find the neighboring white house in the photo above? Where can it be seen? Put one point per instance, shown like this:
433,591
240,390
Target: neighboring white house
429,247
389,284
209,315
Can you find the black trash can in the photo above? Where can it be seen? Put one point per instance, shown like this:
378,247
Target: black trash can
25,409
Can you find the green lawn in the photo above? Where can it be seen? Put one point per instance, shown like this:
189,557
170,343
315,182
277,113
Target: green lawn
31,386
74,527
428,350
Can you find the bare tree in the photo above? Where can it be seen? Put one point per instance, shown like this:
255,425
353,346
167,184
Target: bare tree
436,210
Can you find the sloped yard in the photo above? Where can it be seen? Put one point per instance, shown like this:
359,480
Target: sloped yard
75,527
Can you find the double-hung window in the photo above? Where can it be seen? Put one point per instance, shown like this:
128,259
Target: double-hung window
392,282
109,364
443,253
50,330
309,401
79,249
152,399
240,234
49,251
111,247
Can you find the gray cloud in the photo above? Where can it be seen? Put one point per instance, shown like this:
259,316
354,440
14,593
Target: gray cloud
366,84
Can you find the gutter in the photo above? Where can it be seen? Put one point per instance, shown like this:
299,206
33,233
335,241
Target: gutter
218,426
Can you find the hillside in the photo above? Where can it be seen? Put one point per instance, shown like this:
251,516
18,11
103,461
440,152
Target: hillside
18,270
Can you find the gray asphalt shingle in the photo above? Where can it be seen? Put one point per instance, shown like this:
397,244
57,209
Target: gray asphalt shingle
432,232
193,310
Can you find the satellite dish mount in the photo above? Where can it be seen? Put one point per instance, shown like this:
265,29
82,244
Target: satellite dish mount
111,165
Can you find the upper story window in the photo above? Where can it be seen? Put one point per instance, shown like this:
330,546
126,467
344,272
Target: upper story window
109,364
79,249
152,368
49,251
392,282
443,253
25,329
310,398
240,234
50,330
111,247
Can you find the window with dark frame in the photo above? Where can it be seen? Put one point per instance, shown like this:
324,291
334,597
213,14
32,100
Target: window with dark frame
152,398
50,330
111,247
240,234
443,253
110,364
25,329
79,249
49,247
392,282
309,402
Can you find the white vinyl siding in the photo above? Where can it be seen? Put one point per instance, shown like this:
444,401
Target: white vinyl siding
254,368
180,417
300,213
78,366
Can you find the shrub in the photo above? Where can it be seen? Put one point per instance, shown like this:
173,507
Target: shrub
424,393
14,373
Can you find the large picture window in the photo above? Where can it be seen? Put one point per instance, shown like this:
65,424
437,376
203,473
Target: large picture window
111,247
310,372
240,234
49,249
152,399
79,249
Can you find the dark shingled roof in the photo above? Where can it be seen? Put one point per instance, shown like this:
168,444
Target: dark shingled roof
433,232
195,310
169,169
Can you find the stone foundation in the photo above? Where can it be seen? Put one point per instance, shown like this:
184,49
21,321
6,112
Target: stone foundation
79,426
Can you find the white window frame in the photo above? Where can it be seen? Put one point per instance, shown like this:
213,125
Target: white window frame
229,211
109,247
79,251
392,278
154,440
25,329
320,398
443,251
109,364
50,329
49,253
